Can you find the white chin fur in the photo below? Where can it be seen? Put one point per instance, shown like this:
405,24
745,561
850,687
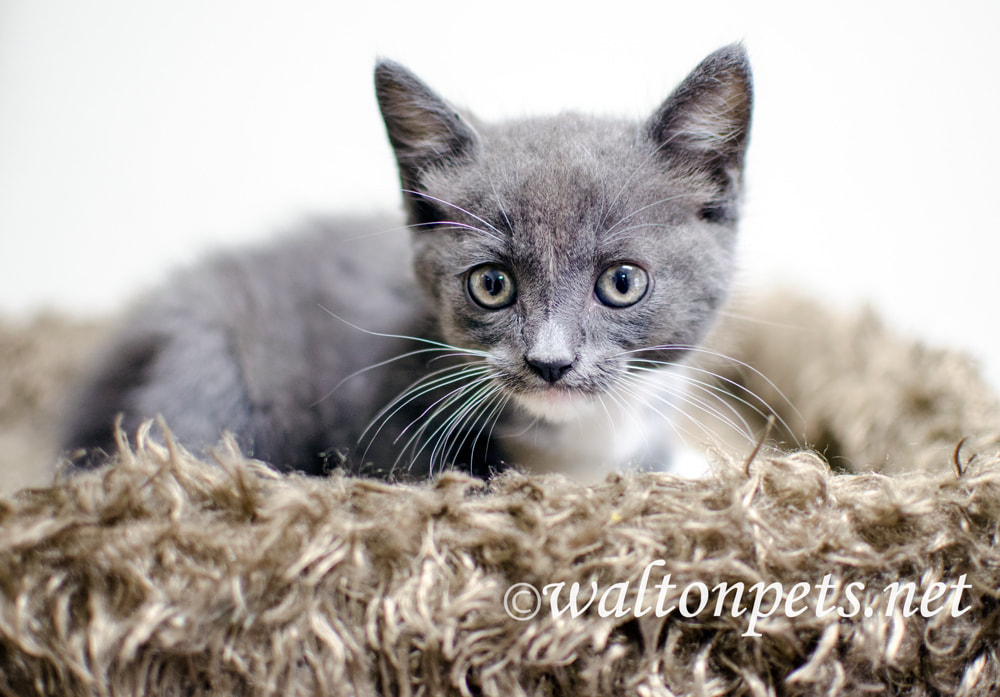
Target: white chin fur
556,405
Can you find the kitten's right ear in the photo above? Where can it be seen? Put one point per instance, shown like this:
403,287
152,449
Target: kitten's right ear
423,129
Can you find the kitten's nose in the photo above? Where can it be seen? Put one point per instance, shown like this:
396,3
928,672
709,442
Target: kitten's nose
550,370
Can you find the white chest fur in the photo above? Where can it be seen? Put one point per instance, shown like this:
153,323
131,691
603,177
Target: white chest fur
637,429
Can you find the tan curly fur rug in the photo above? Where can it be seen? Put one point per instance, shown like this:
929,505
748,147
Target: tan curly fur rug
165,575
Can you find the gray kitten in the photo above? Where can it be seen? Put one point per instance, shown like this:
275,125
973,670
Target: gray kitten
554,271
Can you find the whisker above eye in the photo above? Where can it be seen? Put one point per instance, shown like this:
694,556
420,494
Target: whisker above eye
763,322
462,210
624,231
500,204
387,335
649,158
454,225
646,207
382,231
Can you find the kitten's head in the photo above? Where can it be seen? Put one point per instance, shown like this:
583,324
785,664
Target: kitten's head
565,247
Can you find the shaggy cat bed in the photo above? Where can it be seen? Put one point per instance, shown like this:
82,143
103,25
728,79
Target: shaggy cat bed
168,575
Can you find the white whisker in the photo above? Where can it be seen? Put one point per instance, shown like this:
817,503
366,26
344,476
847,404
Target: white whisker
496,418
695,402
727,393
454,423
422,386
459,208
384,231
649,158
478,405
633,392
709,434
433,409
387,361
716,354
611,421
471,352
624,231
765,322
724,396
498,399
710,390
440,407
500,205
646,207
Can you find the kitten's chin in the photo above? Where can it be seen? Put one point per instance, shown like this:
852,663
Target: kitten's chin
556,405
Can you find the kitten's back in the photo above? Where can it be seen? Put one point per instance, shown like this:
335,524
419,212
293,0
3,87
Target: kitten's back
246,342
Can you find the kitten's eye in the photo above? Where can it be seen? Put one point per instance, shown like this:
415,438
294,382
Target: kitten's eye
622,285
491,286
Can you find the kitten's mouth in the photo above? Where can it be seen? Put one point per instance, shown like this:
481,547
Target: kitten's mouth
556,404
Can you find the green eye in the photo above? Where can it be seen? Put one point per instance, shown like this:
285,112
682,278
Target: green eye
491,287
622,285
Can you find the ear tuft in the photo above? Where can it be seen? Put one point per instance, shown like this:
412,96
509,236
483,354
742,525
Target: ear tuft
706,121
423,129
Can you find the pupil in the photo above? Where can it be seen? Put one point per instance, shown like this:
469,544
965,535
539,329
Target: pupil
622,281
493,283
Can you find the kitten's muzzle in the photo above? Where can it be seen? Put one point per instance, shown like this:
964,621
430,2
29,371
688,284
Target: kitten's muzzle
550,344
549,370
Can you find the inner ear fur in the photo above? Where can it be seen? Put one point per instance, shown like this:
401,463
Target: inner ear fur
424,130
705,122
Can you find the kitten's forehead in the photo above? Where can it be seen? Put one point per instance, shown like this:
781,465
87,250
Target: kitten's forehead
563,149
564,172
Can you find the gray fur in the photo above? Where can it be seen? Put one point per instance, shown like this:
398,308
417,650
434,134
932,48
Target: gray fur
247,341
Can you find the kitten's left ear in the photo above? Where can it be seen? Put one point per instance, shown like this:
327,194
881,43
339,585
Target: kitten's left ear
423,129
705,123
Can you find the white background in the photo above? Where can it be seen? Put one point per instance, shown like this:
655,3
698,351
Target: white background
134,135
